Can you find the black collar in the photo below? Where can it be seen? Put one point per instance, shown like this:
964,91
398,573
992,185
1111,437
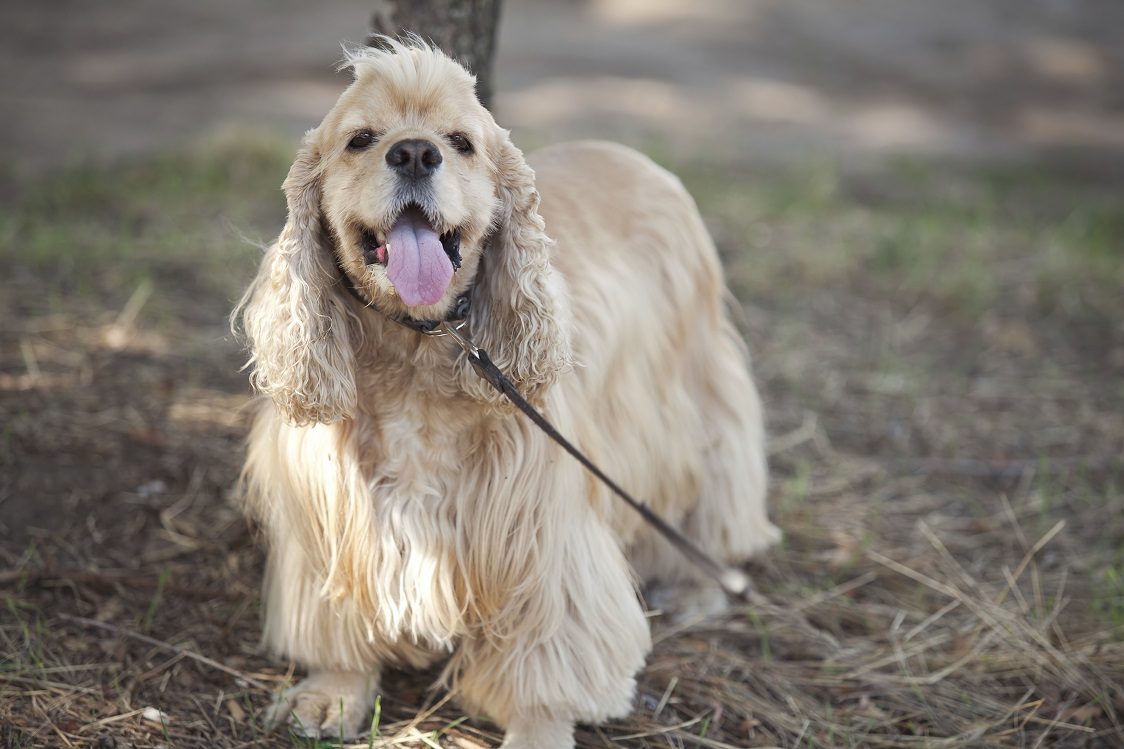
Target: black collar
456,317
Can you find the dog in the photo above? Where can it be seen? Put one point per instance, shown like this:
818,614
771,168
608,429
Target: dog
412,515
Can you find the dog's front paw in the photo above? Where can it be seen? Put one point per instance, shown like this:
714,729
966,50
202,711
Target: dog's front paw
527,732
328,704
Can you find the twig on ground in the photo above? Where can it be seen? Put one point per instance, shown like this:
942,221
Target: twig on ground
126,578
167,646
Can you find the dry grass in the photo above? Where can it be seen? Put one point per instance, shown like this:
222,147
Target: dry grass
941,357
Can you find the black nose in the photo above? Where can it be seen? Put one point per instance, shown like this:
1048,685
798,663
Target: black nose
414,158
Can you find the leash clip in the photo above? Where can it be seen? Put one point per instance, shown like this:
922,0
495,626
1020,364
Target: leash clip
443,328
452,330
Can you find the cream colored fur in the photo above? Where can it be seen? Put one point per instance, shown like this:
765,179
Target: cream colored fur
411,515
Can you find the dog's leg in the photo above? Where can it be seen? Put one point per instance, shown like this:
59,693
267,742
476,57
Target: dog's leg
327,704
326,637
565,649
301,624
729,520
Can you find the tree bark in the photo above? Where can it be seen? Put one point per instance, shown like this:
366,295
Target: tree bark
464,29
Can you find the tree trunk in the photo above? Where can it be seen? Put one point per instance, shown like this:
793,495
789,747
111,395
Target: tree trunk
464,29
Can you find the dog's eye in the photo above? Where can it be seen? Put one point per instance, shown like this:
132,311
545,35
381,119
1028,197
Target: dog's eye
460,143
361,140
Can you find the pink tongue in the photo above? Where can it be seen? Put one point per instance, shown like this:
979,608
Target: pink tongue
416,263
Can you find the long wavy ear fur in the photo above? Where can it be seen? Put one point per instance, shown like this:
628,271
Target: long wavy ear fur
297,327
520,315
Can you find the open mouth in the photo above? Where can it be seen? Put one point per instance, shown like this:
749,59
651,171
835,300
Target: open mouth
419,261
374,245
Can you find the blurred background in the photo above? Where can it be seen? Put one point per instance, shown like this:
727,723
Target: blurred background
755,80
920,207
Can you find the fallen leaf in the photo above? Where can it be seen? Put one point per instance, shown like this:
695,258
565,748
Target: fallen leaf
235,710
153,715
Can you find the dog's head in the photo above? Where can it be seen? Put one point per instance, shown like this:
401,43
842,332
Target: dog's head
411,187
408,160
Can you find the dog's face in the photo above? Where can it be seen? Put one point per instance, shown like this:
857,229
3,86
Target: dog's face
408,176
404,184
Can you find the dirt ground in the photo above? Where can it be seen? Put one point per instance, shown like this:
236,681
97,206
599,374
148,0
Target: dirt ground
920,212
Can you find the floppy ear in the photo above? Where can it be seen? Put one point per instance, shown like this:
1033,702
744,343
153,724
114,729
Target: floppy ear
297,326
520,313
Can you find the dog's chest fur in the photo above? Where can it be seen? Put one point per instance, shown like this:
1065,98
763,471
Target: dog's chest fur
425,469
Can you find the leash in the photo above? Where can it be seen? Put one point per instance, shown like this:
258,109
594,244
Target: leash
733,581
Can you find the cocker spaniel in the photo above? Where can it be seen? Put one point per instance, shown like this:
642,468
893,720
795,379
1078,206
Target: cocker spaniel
412,514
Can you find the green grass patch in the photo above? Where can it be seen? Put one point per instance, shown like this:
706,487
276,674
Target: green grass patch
187,221
1019,241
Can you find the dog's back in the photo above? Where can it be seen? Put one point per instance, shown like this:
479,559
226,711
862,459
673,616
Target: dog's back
649,306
